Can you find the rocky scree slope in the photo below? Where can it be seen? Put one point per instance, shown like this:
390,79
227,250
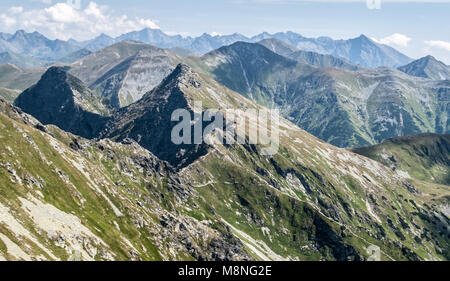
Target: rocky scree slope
124,72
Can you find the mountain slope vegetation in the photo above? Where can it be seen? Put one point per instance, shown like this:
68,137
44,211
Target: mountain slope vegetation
310,201
425,157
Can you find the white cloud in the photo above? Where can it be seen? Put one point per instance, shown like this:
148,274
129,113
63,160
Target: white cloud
439,44
63,21
395,39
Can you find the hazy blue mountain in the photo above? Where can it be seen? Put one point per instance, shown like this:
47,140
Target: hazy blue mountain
157,38
73,57
312,58
19,60
37,46
358,51
99,42
279,47
207,42
427,67
361,50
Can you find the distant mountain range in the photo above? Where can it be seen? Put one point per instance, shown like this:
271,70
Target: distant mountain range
358,51
307,57
36,46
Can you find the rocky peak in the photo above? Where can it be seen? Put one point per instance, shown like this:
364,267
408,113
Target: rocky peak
55,74
148,121
427,67
63,100
183,76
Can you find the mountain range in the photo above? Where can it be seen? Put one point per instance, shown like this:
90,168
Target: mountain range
307,57
319,93
125,71
345,108
89,169
132,194
358,51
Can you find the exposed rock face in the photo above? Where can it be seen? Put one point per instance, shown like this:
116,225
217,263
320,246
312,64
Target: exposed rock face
63,195
62,100
149,120
124,72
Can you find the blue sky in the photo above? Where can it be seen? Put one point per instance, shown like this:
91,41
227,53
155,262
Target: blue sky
416,28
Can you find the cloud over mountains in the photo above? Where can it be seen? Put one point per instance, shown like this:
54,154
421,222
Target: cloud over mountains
65,21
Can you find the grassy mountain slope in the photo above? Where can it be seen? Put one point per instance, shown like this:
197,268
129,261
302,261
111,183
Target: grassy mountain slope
425,157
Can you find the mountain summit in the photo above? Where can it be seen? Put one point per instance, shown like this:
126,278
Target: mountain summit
63,100
427,67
